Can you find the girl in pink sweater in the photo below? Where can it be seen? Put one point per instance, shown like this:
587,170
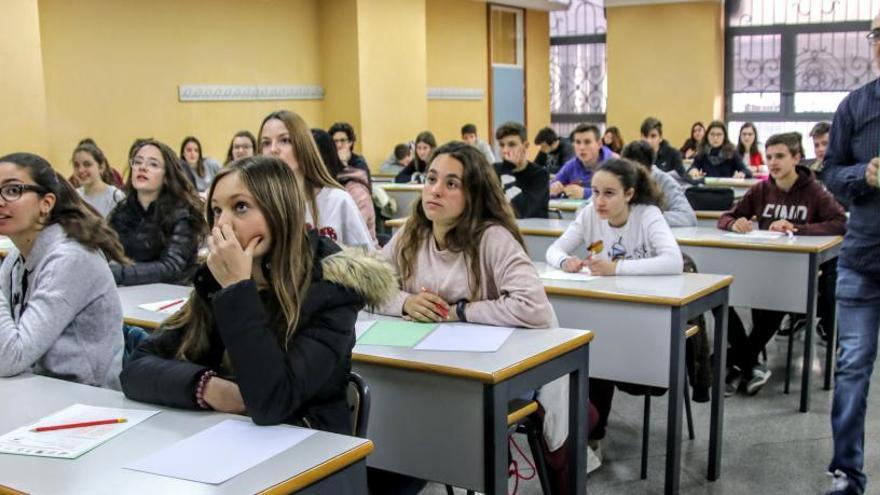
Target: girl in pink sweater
460,257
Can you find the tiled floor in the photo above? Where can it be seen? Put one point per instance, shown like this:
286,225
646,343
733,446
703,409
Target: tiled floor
769,447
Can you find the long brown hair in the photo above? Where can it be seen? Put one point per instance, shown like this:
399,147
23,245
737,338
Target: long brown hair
79,221
314,173
485,206
277,194
100,160
200,163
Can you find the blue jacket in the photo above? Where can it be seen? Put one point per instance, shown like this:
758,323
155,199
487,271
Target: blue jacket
574,172
854,141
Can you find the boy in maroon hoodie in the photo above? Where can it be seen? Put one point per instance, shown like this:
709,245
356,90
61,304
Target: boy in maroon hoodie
791,201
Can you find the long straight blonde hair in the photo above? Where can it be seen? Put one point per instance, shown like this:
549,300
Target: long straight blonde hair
277,194
314,172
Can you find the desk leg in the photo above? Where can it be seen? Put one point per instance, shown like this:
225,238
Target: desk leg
809,330
578,427
673,420
717,415
495,438
831,349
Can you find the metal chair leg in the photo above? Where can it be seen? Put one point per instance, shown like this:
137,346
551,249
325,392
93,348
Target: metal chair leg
687,408
788,357
646,424
533,435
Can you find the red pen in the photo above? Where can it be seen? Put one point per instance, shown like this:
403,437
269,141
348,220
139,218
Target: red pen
80,425
173,303
443,312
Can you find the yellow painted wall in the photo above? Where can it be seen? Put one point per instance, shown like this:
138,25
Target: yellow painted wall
393,77
537,27
676,76
22,93
457,58
339,64
112,68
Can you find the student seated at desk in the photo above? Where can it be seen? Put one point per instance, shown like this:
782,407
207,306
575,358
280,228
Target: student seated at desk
161,222
666,158
92,171
415,172
573,179
631,238
203,168
243,145
460,257
555,151
469,136
399,159
791,201
524,183
676,209
689,148
60,314
329,208
717,156
269,328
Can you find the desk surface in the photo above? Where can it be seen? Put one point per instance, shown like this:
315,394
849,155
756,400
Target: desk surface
730,182
711,237
400,187
136,295
525,349
567,204
101,471
666,290
709,214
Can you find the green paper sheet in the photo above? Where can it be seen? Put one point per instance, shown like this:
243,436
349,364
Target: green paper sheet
396,333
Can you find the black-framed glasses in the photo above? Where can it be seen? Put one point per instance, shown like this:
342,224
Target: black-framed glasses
874,37
12,192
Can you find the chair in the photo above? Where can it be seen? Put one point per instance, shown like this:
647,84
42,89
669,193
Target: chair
646,423
521,418
358,404
132,337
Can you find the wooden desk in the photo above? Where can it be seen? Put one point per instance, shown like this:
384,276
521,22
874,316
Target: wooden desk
404,195
324,463
135,295
739,186
640,322
383,178
568,208
442,416
779,274
708,218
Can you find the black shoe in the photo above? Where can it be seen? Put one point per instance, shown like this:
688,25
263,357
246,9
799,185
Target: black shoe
785,326
700,394
733,381
823,335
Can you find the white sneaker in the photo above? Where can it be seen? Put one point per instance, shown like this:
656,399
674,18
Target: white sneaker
840,484
594,461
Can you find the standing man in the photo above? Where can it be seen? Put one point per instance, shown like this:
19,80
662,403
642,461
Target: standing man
851,166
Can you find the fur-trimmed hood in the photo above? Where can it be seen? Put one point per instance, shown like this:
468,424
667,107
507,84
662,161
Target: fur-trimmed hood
365,273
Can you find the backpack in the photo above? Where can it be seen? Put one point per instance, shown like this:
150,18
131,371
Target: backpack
710,198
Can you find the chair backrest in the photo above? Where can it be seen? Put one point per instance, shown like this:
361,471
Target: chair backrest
358,404
710,198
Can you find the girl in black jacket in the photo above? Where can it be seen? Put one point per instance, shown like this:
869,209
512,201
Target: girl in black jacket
717,156
269,329
161,222
416,170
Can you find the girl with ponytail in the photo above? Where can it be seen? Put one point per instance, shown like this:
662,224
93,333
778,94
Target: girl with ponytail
60,314
623,228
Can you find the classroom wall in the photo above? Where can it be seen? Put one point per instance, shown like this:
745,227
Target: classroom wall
665,61
112,68
457,56
537,27
22,93
340,67
393,74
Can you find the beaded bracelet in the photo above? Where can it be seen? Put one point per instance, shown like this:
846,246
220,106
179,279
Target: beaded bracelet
200,388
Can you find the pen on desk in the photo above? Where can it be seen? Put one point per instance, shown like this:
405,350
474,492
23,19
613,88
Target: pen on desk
172,303
80,425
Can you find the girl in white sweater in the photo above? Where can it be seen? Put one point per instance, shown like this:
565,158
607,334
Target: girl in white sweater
623,228
330,209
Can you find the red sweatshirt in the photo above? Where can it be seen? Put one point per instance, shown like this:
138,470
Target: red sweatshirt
807,205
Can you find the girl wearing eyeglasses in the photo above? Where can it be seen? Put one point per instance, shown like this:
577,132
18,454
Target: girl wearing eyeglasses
60,314
161,223
243,145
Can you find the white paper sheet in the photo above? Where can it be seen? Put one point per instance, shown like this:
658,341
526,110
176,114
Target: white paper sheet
362,326
554,274
465,337
73,442
166,307
757,234
221,452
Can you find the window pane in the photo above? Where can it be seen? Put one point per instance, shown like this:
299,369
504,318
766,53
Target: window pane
756,63
767,129
818,101
833,61
504,39
755,102
768,12
577,78
582,17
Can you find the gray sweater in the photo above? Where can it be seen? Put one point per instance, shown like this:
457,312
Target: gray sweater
69,324
676,210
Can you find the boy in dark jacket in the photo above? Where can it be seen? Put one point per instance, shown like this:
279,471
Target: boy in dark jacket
791,201
525,184
555,151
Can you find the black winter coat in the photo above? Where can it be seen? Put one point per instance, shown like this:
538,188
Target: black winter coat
158,256
307,383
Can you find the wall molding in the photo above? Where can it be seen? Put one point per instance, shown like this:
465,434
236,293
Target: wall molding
248,92
633,3
473,94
